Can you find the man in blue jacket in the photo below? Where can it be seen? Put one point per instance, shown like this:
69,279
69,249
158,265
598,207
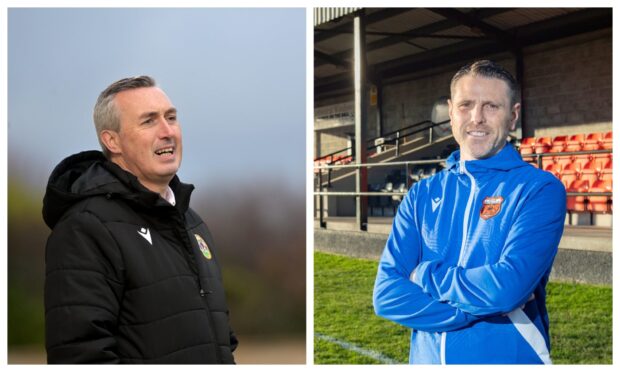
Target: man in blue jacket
471,248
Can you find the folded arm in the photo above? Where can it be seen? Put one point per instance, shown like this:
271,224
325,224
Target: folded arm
527,256
398,299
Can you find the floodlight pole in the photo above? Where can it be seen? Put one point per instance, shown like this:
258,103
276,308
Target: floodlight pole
361,118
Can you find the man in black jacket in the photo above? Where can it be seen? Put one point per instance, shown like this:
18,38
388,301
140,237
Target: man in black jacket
131,275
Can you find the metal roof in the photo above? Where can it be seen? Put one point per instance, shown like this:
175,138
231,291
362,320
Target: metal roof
324,15
402,40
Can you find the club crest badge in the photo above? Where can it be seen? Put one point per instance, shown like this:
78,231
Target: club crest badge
204,248
491,206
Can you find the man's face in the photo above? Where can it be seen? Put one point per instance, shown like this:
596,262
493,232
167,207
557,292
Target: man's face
149,140
481,115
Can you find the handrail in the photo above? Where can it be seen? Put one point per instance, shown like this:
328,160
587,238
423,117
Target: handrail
320,193
404,129
390,193
389,164
567,153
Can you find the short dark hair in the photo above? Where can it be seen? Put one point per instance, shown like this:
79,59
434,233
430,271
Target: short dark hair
105,114
489,69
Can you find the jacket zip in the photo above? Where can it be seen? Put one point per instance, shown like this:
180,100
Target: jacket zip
192,262
466,218
203,293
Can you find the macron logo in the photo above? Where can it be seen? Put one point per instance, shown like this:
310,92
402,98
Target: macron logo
146,234
435,203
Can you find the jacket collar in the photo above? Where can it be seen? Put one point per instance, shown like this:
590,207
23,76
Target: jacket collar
508,158
89,174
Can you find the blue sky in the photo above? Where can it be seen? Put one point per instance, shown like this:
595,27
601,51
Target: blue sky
237,77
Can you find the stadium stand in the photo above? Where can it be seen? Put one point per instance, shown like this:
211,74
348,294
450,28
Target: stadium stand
579,172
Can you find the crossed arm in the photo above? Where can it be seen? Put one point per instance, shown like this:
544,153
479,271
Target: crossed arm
398,299
436,297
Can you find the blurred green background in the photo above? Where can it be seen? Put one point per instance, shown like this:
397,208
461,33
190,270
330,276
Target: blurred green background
238,79
262,249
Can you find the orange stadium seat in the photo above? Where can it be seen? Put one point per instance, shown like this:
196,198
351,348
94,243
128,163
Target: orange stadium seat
607,171
581,160
546,161
527,145
555,169
564,161
575,142
601,204
570,174
591,171
607,140
593,141
543,144
577,203
558,144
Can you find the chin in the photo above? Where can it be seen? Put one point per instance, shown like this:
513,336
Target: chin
169,171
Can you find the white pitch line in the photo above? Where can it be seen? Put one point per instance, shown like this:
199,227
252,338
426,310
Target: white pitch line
365,352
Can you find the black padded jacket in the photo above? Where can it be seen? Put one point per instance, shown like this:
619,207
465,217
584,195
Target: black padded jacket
129,277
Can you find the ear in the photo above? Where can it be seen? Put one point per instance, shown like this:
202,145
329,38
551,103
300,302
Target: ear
514,115
450,109
110,140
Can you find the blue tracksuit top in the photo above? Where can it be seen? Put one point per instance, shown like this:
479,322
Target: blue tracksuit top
468,258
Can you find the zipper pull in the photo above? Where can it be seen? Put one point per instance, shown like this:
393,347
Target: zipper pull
203,292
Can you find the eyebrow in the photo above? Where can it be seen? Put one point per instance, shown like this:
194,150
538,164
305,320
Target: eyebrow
149,114
460,102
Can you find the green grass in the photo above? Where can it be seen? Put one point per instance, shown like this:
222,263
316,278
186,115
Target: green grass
580,316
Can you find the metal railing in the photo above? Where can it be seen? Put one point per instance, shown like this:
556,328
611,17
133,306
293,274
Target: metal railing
320,193
406,164
388,138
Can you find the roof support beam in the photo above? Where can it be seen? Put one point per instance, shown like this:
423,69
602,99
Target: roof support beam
475,23
424,30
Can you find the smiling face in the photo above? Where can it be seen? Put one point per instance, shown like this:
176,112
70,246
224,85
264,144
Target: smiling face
149,143
481,115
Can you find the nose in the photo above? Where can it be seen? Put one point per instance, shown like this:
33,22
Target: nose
477,114
165,129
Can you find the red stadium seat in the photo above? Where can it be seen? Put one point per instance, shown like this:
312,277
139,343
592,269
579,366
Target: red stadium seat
563,161
555,169
591,171
527,145
558,144
593,141
606,143
601,204
577,203
570,174
546,161
581,160
575,142
543,144
607,171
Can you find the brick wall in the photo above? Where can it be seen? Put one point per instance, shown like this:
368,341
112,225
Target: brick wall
412,101
568,87
567,90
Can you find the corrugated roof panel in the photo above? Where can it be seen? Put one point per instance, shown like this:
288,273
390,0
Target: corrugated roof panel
327,70
459,31
392,52
433,43
406,21
324,15
336,44
525,16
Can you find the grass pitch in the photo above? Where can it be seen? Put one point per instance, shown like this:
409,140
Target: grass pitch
580,316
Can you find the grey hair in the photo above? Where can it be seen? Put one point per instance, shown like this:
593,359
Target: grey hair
105,113
489,69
